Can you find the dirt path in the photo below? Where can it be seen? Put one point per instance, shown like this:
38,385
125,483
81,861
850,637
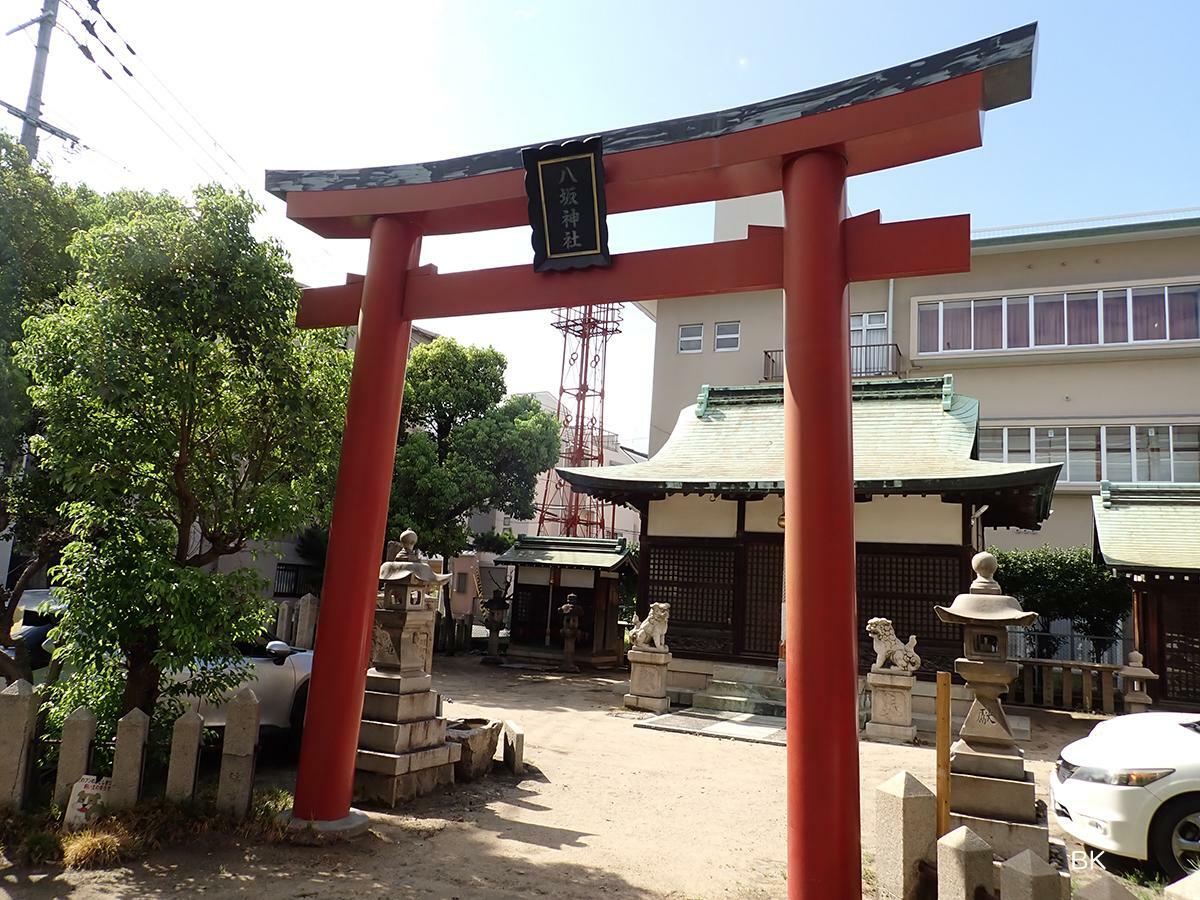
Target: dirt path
604,810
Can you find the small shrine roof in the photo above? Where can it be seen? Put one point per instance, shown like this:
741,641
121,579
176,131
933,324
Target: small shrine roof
566,552
912,436
1150,526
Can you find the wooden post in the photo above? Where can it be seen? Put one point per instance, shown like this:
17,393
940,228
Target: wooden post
943,753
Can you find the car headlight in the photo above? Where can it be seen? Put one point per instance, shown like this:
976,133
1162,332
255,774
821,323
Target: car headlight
1122,777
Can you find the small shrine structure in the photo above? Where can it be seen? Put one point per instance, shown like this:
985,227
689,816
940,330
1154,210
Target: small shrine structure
547,570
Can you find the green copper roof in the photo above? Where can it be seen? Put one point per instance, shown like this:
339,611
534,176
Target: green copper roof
568,552
1149,526
913,436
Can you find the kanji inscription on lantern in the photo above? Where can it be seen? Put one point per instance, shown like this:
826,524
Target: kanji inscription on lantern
565,186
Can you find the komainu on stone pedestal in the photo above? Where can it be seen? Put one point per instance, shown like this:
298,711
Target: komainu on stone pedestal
648,665
891,682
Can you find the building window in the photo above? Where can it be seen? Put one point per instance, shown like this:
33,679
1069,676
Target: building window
726,336
1093,453
1116,315
691,338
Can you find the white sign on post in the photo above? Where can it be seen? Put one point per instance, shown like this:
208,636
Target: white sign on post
87,796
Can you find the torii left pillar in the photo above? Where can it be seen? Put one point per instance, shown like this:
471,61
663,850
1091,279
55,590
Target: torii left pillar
325,784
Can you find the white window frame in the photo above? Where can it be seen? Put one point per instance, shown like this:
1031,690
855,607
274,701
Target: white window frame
1098,288
699,338
717,336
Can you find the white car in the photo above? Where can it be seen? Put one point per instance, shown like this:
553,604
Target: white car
1132,788
279,678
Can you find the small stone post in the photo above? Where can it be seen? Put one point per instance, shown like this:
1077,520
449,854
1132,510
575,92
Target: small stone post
306,621
570,631
283,620
891,681
905,811
18,717
1029,877
235,784
1188,889
514,747
964,866
75,752
185,753
133,730
1106,888
1134,676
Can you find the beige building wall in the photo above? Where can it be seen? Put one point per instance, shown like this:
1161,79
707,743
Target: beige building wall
1146,384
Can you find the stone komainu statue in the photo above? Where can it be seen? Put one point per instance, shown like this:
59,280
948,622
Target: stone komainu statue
889,652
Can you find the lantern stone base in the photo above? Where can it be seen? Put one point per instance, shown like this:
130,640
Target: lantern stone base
968,758
1009,839
648,680
403,752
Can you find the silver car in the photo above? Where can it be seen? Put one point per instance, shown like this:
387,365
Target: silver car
279,678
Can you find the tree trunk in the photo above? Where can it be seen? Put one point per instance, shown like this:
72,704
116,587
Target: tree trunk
141,681
14,669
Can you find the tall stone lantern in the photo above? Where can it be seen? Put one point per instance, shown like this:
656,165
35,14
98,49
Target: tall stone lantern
990,791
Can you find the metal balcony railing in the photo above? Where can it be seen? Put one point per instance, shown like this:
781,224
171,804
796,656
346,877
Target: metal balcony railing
866,361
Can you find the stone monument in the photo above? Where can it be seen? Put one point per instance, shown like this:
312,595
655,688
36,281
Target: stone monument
1134,676
891,681
402,747
648,664
570,631
990,790
496,608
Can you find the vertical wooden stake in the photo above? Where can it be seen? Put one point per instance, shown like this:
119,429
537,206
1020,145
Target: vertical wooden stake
943,753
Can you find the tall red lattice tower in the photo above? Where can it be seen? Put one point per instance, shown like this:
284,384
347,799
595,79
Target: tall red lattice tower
585,330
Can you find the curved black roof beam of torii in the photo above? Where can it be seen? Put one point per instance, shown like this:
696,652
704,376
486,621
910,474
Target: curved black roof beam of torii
1007,61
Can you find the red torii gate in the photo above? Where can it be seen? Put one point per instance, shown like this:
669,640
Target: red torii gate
804,145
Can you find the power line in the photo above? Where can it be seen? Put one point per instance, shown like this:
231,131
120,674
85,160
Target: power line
86,51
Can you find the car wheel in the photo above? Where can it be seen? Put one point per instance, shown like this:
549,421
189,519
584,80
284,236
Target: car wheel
296,720
1175,836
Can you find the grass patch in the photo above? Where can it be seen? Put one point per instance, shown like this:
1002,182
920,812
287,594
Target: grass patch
113,838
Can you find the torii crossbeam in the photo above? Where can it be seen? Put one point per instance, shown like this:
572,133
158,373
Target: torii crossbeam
804,145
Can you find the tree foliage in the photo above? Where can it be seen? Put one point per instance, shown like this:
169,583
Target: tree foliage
184,417
464,445
37,220
1065,583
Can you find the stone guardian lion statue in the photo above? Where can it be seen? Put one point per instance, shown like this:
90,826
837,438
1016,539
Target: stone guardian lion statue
889,652
654,629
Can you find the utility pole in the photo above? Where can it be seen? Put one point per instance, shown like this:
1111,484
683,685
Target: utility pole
33,107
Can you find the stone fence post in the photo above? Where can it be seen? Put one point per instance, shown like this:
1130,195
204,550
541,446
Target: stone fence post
1029,877
306,622
964,866
185,753
235,784
1188,889
129,760
75,752
18,718
284,629
905,811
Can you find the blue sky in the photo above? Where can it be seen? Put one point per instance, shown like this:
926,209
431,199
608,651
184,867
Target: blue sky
1112,126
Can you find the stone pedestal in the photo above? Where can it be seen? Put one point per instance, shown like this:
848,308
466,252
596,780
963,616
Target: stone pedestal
648,680
891,707
402,748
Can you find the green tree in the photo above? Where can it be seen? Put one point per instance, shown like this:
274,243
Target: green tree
184,417
464,445
1065,583
37,219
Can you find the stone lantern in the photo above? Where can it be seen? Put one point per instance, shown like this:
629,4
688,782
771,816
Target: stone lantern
570,631
1135,675
985,614
496,607
990,791
402,639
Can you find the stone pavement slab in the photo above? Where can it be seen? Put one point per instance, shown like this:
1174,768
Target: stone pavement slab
721,723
